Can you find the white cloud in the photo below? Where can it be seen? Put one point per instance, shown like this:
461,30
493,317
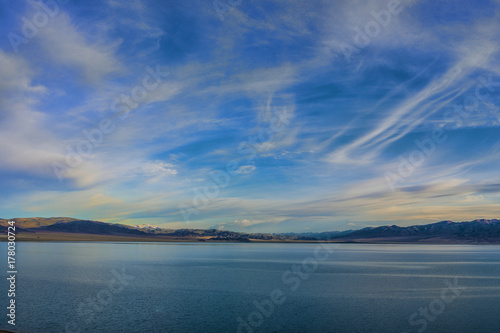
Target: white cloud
158,169
69,47
244,169
16,76
236,225
26,144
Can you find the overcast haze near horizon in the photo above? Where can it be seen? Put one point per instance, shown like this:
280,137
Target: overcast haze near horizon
404,130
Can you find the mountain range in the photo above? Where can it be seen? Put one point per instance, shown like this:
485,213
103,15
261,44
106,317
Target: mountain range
67,228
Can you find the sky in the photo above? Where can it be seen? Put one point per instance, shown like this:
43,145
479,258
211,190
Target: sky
255,116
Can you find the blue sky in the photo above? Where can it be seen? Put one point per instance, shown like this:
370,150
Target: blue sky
403,130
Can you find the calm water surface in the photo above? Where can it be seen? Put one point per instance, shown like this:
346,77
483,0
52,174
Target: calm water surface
206,287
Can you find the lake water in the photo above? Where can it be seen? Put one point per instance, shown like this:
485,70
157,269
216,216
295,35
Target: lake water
207,287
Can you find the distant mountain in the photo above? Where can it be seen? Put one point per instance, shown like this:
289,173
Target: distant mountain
477,231
474,231
90,227
65,226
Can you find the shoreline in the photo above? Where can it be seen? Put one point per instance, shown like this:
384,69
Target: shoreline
70,237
